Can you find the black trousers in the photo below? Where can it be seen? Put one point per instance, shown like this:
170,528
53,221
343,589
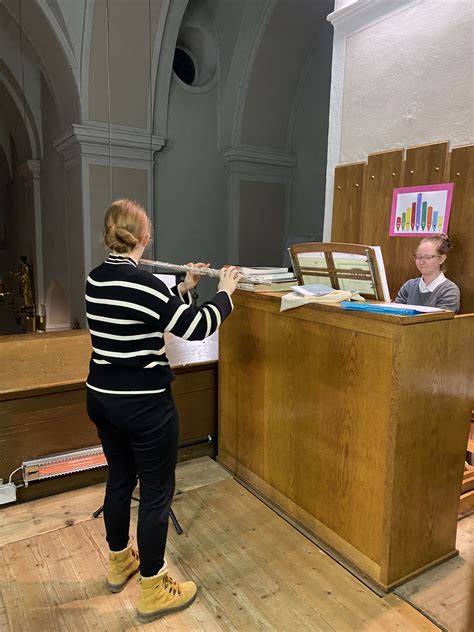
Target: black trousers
139,435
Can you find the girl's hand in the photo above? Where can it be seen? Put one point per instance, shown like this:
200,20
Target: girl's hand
191,280
229,277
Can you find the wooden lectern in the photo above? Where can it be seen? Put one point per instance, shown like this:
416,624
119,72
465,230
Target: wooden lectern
353,425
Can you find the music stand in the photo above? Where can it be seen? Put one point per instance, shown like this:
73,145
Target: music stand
174,520
353,267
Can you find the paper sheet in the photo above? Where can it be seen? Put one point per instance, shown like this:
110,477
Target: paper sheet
291,300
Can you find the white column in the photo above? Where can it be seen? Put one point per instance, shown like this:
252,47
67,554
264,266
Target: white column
95,144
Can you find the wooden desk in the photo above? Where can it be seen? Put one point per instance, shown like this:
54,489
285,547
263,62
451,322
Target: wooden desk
43,395
353,425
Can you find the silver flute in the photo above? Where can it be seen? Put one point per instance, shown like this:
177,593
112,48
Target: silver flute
210,272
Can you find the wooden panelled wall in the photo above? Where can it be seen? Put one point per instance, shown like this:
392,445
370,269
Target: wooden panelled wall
363,201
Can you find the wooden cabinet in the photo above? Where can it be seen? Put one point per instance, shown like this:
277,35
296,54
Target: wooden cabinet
353,425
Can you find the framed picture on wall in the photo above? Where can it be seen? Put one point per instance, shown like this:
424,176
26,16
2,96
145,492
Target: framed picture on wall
421,210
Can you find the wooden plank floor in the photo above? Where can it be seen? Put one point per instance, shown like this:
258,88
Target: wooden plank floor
446,592
63,510
255,572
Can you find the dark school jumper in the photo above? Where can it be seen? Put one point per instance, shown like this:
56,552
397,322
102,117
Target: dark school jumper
129,397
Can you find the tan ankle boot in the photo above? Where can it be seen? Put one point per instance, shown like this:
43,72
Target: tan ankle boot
161,595
122,565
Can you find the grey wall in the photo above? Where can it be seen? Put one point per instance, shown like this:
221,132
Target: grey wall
130,183
191,173
190,182
75,242
284,117
309,139
129,55
7,321
277,71
261,222
54,216
270,95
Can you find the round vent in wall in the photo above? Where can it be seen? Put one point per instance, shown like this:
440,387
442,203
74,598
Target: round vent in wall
195,58
184,66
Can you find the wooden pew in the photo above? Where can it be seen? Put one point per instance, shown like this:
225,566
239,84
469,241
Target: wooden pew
43,393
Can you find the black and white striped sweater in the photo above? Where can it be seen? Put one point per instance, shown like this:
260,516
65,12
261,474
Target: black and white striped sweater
128,310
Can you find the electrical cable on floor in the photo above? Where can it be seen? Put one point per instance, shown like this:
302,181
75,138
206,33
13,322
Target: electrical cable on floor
18,469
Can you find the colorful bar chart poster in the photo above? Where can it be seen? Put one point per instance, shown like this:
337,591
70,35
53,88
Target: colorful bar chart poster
421,210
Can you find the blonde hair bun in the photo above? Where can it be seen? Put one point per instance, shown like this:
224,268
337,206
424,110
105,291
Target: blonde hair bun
126,224
122,237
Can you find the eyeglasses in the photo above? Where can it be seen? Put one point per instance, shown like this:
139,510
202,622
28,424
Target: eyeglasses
424,257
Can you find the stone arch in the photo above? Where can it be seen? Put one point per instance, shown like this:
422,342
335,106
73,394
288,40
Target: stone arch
273,74
58,64
162,65
24,129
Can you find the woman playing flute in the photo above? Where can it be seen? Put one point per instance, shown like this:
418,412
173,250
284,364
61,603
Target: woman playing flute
130,401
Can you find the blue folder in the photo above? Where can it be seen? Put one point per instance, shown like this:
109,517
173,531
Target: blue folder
379,309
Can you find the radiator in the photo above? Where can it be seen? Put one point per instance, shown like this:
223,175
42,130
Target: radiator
61,464
76,461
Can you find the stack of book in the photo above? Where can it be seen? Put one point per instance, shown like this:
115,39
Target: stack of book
269,280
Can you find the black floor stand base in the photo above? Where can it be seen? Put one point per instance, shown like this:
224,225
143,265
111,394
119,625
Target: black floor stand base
174,520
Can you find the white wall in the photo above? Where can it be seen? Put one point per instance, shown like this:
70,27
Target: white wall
402,75
409,80
339,4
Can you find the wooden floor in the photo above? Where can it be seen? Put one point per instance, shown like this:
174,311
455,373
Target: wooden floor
254,571
444,592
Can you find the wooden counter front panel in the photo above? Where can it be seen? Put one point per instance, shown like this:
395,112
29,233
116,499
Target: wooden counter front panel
305,408
433,394
355,428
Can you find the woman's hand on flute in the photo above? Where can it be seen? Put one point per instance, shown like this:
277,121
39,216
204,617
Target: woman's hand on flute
229,277
191,280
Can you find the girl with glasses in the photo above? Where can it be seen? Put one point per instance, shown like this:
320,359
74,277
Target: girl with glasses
432,289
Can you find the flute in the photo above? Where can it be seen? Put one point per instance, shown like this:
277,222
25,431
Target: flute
210,272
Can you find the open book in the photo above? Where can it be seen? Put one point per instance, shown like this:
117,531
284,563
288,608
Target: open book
348,267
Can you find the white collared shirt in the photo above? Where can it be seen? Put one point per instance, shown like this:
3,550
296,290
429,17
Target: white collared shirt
431,287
